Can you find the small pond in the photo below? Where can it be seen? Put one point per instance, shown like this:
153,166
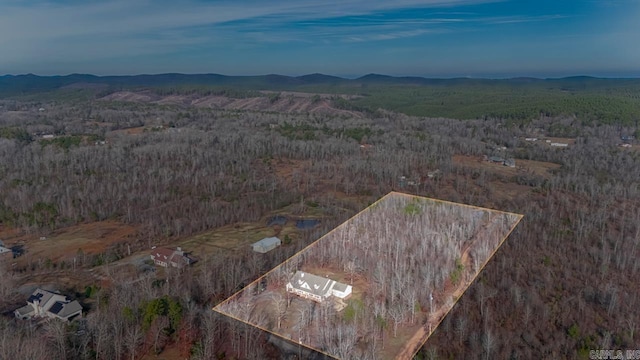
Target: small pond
307,224
277,220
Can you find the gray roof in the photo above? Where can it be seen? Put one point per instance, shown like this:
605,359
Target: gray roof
312,284
69,309
56,304
268,242
41,295
340,287
25,310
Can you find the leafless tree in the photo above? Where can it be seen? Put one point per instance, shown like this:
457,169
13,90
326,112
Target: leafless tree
57,334
133,340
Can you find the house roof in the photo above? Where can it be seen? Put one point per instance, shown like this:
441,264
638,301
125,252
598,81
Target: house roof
340,287
312,284
162,253
56,307
25,310
56,304
267,242
69,309
44,297
169,255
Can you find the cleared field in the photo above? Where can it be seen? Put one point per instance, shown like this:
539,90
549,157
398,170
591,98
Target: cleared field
570,141
65,243
227,238
61,246
241,235
130,131
540,168
287,102
408,259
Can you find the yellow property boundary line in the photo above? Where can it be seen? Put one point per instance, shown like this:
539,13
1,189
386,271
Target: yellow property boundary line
299,253
435,327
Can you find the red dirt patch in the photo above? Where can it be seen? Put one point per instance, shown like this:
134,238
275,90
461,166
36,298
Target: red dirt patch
287,102
130,96
129,131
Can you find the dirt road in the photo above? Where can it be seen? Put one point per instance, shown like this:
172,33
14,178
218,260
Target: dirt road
424,332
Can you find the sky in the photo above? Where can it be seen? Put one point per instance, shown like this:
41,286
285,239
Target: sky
349,38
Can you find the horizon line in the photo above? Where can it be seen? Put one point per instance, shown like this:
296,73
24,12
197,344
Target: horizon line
347,77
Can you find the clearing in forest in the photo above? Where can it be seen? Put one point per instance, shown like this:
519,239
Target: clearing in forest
66,243
406,259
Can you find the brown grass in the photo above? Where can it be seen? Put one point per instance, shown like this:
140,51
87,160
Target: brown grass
64,244
540,168
130,131
570,141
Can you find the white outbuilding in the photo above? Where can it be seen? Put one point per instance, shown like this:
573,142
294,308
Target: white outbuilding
266,244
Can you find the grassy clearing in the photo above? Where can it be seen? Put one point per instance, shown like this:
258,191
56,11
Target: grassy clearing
227,238
66,243
236,236
539,168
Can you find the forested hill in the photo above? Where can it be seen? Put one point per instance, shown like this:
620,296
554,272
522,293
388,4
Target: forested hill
30,83
600,100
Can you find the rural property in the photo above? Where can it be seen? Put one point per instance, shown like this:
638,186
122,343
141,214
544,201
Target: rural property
379,284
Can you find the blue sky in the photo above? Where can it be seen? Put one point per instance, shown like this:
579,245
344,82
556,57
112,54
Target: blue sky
434,38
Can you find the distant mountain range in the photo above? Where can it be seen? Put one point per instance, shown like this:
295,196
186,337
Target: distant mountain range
29,83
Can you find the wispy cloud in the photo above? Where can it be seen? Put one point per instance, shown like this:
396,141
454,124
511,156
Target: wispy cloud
97,30
55,19
521,19
388,35
75,32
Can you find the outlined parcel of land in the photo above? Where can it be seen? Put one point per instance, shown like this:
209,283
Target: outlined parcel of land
378,285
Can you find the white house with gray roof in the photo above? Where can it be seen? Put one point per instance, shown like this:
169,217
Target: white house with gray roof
317,288
43,303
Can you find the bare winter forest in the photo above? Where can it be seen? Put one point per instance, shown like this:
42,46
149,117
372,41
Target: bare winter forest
408,259
88,185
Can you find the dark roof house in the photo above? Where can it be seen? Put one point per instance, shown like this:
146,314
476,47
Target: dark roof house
43,303
167,257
